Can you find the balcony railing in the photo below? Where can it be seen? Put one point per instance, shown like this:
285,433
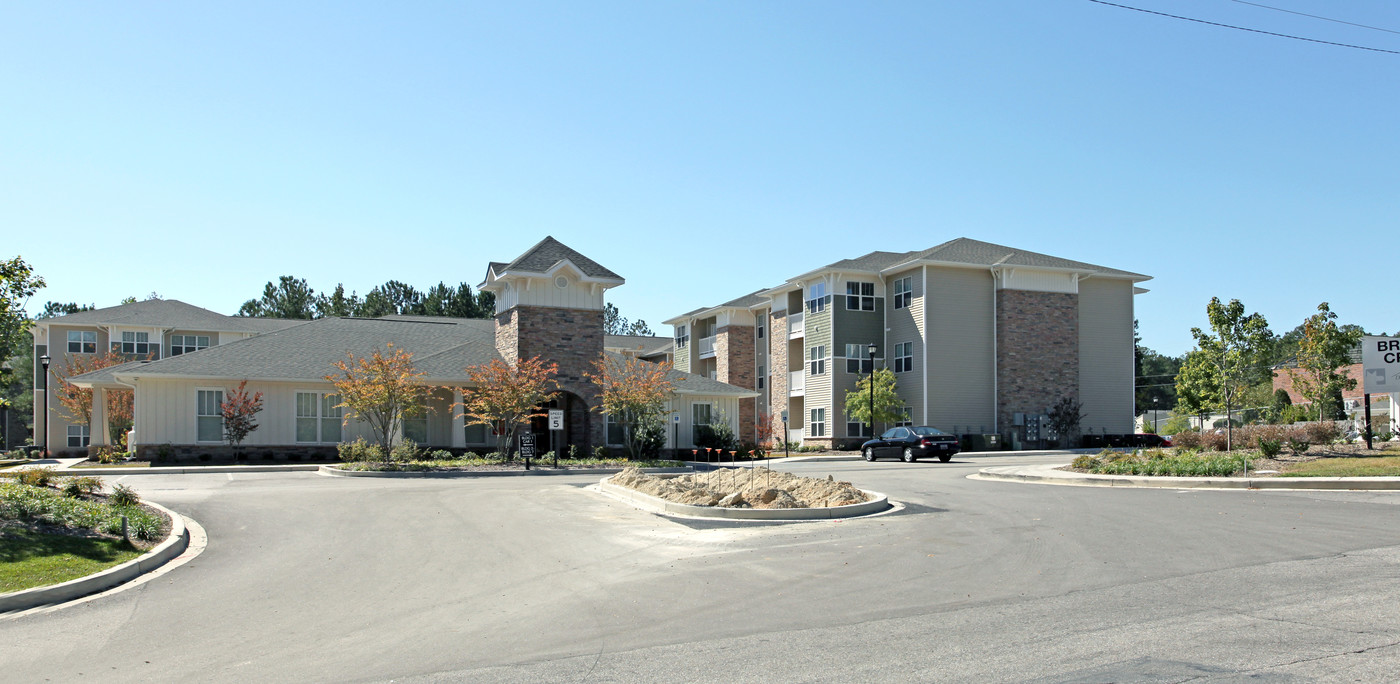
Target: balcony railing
797,384
795,436
796,328
707,347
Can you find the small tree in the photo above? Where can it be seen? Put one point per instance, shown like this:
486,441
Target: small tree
382,389
17,284
1323,349
1229,356
634,393
888,405
1065,416
507,396
239,410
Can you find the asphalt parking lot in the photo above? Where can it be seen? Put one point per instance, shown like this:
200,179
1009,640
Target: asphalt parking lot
310,578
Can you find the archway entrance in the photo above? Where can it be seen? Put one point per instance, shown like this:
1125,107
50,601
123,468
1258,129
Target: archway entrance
578,421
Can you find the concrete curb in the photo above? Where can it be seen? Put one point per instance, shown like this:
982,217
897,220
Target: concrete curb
191,470
337,472
1048,474
877,504
173,546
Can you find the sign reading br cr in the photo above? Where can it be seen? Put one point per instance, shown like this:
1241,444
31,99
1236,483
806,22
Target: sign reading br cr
1380,363
1389,350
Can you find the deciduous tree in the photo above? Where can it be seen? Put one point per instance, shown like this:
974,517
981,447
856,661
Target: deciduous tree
634,393
18,283
239,411
1228,358
506,396
1323,349
888,405
382,389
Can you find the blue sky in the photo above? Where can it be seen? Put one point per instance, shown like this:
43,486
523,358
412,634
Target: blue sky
702,150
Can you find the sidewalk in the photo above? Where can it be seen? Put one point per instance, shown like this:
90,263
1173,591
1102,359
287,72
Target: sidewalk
1048,474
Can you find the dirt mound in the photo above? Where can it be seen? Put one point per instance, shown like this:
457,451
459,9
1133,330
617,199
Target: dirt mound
743,488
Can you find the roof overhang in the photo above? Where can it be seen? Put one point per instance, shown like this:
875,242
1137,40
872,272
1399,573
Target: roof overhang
563,265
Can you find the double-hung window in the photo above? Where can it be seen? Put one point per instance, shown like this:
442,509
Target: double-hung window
860,296
817,298
78,436
904,357
855,428
416,427
135,343
476,433
907,418
817,360
761,377
319,418
82,342
615,435
184,344
818,424
903,292
682,336
760,331
700,417
858,360
209,415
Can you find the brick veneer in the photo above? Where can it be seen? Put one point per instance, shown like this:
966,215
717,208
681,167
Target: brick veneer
1037,351
777,372
734,364
571,338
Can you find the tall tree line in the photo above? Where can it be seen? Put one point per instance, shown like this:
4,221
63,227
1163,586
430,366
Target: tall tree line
292,297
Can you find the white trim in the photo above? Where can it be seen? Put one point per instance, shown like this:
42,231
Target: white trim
198,415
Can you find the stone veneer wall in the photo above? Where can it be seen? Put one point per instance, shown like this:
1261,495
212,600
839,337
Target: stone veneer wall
1037,351
734,364
571,338
777,373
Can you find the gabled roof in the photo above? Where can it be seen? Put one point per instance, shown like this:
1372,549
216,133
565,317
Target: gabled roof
170,313
690,383
442,349
972,253
747,301
549,253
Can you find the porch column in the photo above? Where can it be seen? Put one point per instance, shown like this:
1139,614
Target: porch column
459,420
97,429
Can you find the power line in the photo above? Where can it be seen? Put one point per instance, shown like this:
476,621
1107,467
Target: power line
1241,28
1314,16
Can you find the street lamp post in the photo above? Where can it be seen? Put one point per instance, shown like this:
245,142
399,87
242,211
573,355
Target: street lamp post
1154,415
870,351
44,361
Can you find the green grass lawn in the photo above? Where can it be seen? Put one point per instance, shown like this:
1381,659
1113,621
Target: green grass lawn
33,559
1360,466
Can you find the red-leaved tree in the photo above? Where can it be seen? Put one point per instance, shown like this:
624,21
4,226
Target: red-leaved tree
239,409
77,401
508,396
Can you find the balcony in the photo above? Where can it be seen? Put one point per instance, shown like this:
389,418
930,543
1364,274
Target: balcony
797,385
707,347
796,328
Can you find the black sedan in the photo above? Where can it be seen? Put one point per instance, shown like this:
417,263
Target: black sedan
912,444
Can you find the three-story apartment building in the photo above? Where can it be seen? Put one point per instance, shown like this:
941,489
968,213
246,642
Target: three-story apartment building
981,338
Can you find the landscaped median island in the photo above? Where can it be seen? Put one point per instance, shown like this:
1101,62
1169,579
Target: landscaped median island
743,488
54,529
1304,460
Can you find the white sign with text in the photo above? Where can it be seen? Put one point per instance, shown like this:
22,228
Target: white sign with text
1380,365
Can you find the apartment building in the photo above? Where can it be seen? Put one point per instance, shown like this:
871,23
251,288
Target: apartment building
982,339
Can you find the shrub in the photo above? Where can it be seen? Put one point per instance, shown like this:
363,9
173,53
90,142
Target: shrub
360,451
1385,435
1189,440
600,452
405,451
1085,462
123,495
1298,446
35,477
573,452
1270,447
1324,432
1159,463
81,486
441,455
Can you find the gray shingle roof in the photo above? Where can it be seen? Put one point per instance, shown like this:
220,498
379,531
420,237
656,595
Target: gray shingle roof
689,383
305,352
633,342
972,252
548,253
171,313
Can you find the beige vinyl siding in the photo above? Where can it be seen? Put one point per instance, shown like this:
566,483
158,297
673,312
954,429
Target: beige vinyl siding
543,292
682,360
819,387
1106,355
960,358
907,325
165,411
57,429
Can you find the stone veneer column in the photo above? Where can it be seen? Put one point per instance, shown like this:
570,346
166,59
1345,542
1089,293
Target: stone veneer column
571,338
778,372
1037,351
734,364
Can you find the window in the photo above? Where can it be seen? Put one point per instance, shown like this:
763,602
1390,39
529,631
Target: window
904,357
818,428
857,359
82,342
615,435
319,417
184,344
817,298
416,428
903,292
209,416
760,331
818,360
476,433
700,415
908,418
860,296
855,428
760,377
682,337
78,435
135,343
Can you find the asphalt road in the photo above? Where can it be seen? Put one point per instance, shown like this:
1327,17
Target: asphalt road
310,578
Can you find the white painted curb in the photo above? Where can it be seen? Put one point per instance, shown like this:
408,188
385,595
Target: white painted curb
173,546
877,503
